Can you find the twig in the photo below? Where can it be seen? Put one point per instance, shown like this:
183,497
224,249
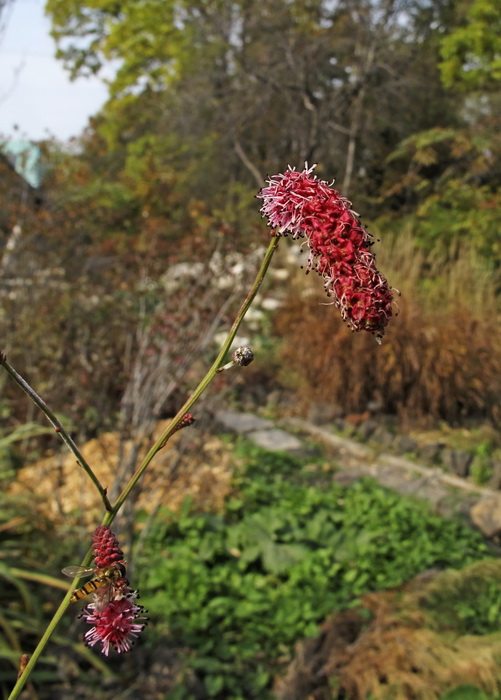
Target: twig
58,428
172,427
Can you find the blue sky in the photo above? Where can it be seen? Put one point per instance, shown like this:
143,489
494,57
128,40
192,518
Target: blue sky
35,91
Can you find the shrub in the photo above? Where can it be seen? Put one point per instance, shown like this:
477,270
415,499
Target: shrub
441,361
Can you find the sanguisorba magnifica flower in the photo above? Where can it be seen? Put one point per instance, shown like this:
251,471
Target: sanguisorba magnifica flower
115,625
106,548
302,206
117,620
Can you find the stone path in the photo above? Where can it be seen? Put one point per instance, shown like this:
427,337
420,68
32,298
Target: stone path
448,494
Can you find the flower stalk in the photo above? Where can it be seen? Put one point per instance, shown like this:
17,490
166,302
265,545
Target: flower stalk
173,425
295,204
112,511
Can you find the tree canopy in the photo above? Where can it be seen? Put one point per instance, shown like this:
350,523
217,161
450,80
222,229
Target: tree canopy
471,53
249,85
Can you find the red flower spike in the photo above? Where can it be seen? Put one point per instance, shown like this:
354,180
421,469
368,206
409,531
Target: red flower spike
187,420
117,620
300,205
106,548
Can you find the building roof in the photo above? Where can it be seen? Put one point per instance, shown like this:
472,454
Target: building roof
26,160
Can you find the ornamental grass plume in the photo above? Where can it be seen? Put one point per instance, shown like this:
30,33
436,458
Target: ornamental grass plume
301,205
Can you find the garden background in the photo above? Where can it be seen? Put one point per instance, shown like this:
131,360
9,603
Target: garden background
121,269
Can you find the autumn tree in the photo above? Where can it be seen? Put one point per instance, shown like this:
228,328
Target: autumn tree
222,93
446,179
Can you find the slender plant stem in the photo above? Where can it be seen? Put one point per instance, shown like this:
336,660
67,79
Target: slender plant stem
16,690
21,681
111,512
172,427
52,418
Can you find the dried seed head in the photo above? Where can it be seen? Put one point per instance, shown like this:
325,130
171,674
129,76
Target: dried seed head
243,356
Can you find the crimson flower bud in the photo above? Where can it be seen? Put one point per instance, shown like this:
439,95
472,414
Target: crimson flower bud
106,548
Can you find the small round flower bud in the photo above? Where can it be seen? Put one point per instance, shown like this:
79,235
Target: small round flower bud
243,356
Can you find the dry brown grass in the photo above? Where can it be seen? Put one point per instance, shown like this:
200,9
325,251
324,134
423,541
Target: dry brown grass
201,468
440,358
400,654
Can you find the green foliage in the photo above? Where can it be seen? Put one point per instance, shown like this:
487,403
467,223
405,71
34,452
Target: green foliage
241,88
461,211
471,52
28,599
452,181
240,587
481,467
467,601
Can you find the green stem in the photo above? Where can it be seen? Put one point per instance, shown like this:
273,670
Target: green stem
172,427
58,427
21,681
16,690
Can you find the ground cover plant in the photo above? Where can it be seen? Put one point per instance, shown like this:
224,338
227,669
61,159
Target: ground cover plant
421,640
238,589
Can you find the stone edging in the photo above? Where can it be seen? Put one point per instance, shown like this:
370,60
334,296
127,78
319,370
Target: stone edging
483,505
447,493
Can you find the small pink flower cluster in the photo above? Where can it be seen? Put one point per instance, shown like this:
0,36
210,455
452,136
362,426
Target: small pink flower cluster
301,205
117,620
116,625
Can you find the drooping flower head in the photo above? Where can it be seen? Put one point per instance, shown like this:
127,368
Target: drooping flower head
117,620
302,206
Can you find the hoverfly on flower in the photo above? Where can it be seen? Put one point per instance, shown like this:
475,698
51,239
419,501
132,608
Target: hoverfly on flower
116,619
105,584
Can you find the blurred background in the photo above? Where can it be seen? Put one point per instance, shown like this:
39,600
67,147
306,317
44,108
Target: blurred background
134,138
